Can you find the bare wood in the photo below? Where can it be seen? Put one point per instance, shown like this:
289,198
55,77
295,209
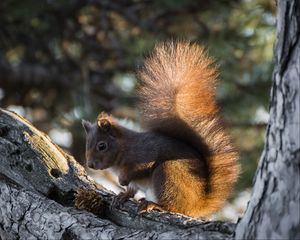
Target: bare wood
37,185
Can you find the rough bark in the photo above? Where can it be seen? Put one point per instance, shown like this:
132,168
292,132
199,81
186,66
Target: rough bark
274,209
37,185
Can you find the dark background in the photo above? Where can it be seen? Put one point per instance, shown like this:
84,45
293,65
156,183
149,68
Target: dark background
61,61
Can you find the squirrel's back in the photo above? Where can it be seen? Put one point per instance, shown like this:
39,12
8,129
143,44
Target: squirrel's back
177,93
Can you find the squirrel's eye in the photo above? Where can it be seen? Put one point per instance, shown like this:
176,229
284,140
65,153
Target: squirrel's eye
101,146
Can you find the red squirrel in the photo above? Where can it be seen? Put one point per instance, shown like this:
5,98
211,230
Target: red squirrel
184,160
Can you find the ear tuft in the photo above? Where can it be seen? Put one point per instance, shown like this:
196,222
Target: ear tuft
86,125
103,115
104,124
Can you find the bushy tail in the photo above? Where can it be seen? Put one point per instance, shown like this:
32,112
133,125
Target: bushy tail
177,93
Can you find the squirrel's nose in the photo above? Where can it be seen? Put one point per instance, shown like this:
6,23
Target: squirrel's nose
91,164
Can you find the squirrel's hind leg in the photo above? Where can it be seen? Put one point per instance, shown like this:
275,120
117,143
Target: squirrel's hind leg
179,187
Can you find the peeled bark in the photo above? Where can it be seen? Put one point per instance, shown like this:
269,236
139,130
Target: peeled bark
37,185
274,209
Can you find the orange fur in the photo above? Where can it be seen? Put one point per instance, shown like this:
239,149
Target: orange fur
177,90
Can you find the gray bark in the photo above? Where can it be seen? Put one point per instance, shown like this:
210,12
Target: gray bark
274,209
37,185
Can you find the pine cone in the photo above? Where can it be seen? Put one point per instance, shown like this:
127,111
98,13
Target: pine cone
89,200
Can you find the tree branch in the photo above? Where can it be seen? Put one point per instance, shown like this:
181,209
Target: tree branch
37,185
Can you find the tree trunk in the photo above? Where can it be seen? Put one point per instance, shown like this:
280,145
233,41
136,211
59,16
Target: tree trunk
274,209
37,185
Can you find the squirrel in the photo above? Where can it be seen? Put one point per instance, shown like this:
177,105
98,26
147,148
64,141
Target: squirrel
184,161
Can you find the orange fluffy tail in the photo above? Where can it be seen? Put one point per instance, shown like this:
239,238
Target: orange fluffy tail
177,93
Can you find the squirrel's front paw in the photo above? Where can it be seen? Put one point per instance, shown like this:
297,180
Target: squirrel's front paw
119,199
145,206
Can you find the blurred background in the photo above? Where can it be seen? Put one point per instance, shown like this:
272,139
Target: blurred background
64,60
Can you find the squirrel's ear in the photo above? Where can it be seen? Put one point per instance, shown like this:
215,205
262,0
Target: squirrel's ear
86,125
104,124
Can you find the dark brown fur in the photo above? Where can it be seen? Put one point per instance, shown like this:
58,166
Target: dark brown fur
185,153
